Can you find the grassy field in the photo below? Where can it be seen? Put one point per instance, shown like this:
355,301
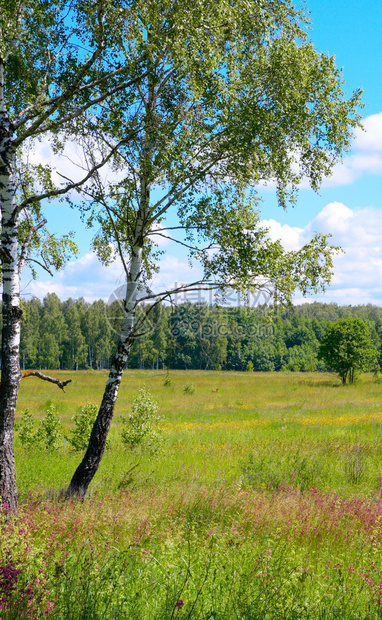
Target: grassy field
265,502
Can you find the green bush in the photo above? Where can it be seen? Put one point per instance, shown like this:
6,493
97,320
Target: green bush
189,388
27,431
49,433
83,424
141,426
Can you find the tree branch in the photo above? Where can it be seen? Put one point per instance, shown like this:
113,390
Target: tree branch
33,129
40,375
42,265
72,185
179,193
28,239
38,128
186,245
30,112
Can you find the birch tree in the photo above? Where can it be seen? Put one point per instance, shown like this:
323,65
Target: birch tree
234,94
58,62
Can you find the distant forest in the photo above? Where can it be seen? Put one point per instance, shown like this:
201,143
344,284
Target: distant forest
75,334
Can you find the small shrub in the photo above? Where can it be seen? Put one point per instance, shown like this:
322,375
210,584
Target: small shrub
189,388
49,433
141,426
27,431
250,367
83,424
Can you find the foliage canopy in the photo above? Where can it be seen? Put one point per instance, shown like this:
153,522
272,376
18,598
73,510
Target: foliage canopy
232,95
347,347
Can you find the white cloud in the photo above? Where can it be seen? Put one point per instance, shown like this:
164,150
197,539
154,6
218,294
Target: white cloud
370,162
335,216
288,235
85,277
370,138
357,275
343,174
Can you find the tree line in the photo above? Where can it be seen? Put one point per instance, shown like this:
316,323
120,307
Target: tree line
75,334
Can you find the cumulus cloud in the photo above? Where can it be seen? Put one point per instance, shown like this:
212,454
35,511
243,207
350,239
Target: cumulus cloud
288,235
357,275
366,156
370,137
85,277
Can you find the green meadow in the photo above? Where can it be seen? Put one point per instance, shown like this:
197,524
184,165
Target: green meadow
264,502
279,420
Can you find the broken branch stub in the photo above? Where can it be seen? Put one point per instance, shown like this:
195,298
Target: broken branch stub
40,375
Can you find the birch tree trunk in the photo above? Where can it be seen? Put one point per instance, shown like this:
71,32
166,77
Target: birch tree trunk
11,309
86,470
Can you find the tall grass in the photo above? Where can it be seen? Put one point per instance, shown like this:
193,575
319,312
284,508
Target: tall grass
266,502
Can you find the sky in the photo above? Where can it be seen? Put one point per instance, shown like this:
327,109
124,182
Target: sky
349,205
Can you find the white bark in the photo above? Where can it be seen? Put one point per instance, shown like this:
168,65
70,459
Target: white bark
11,310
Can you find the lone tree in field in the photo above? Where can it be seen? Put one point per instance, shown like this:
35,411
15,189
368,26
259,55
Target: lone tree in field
234,95
348,349
58,62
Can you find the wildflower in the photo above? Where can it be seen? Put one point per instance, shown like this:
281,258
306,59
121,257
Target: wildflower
9,575
179,604
49,607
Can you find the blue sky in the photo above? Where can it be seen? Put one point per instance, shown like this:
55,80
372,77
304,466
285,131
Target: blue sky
349,204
